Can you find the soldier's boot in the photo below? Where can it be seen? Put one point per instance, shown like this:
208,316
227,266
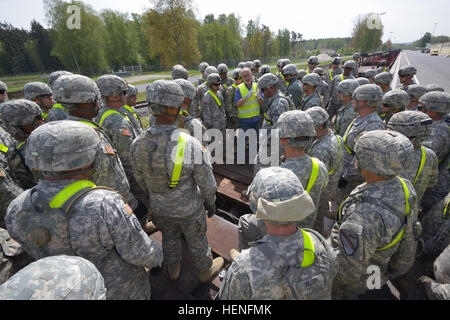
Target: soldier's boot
174,271
149,228
233,254
206,276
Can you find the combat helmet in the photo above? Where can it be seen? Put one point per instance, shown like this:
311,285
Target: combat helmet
294,124
162,94
35,89
18,113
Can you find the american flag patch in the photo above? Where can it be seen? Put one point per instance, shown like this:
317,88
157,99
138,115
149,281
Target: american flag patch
129,210
126,132
109,150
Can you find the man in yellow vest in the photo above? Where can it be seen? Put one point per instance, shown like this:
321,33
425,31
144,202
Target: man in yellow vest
248,102
376,229
285,262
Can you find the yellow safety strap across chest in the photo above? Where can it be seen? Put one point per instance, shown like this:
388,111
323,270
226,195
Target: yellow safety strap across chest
3,148
339,156
331,75
445,214
44,115
66,193
234,85
422,163
314,174
346,135
93,125
342,76
215,98
107,113
59,106
132,111
178,160
309,250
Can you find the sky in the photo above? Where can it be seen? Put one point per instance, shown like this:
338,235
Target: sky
404,20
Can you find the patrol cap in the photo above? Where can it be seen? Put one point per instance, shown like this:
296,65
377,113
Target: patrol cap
3,86
257,63
383,78
19,112
35,89
350,64
436,101
290,69
396,99
202,66
111,85
411,123
371,73
407,70
237,73
318,115
132,91
348,86
383,152
61,146
222,68
296,123
75,88
416,91
336,60
55,75
312,79
264,69
319,71
277,196
165,93
301,73
313,60
213,78
187,87
362,81
56,278
209,70
370,93
434,87
179,72
266,81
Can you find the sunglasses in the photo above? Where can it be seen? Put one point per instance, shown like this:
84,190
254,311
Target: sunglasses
2,91
48,96
216,84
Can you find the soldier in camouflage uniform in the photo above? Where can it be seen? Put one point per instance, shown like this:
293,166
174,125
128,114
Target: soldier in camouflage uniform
415,91
356,57
9,190
362,81
264,69
345,114
383,67
56,278
313,62
280,265
130,110
311,83
439,289
55,75
171,182
294,89
40,93
80,96
225,82
436,105
328,148
20,117
195,109
256,72
241,65
377,224
393,102
383,80
231,109
202,68
282,85
422,171
213,109
335,69
296,134
434,87
324,88
334,103
370,75
406,75
3,90
10,250
367,97
67,214
179,72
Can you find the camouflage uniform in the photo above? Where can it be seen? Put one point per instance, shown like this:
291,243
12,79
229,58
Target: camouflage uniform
202,68
313,99
439,289
415,92
282,85
100,227
334,73
9,190
153,165
9,249
355,65
272,267
202,88
334,104
370,219
213,114
56,278
295,92
231,109
133,117
407,71
33,90
344,116
56,113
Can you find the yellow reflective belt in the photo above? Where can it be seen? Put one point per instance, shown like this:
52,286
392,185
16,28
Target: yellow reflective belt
339,156
399,236
59,106
108,113
215,97
308,250
66,193
3,148
314,174
422,162
132,111
346,135
178,161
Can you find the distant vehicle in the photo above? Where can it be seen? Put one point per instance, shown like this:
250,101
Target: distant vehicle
434,52
333,55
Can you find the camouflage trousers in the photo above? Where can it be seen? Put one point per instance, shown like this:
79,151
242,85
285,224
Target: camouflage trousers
194,231
328,194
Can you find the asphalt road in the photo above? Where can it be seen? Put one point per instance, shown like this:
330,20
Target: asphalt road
430,69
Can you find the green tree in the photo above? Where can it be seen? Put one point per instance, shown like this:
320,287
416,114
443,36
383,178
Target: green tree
284,43
44,45
364,39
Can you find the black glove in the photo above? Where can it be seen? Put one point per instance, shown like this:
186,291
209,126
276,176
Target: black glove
342,183
211,209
